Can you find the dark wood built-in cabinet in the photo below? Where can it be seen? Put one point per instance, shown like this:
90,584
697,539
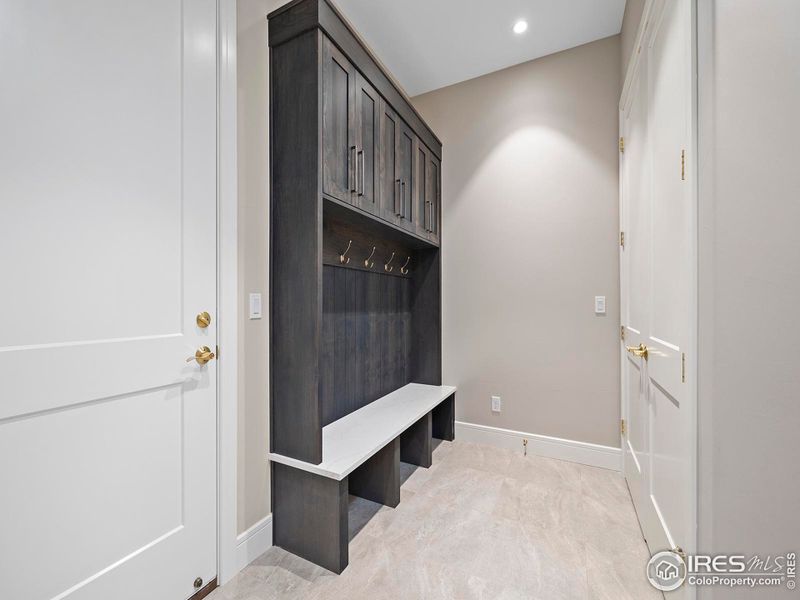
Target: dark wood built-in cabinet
355,278
369,151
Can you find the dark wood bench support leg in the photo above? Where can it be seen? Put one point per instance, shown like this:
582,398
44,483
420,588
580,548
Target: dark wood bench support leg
415,443
310,516
444,420
378,479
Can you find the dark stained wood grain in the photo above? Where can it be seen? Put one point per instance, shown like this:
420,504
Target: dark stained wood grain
389,190
367,143
416,443
291,20
343,335
366,339
296,249
378,479
405,160
338,124
335,27
426,319
337,235
301,15
310,516
444,420
327,368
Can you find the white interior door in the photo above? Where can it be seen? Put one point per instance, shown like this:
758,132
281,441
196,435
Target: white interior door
658,281
107,254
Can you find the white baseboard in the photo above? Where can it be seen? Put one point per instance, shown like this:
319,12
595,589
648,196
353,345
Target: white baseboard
254,542
585,453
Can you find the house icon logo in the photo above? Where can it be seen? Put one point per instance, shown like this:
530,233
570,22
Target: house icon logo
666,571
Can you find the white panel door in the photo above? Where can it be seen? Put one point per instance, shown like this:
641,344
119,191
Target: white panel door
635,281
107,254
658,265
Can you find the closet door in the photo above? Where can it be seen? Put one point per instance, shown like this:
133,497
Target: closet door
405,171
367,142
389,178
338,124
657,275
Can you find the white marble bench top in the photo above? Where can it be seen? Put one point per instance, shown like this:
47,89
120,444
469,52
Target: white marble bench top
350,441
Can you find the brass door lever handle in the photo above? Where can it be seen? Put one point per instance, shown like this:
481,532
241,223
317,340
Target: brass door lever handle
640,350
202,356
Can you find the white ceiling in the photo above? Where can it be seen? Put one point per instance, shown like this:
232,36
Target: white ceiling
428,44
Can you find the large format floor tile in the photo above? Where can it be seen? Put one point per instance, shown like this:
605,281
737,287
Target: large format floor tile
480,523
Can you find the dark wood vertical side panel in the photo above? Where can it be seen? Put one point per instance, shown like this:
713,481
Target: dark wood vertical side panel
444,420
310,516
416,443
378,479
426,319
295,249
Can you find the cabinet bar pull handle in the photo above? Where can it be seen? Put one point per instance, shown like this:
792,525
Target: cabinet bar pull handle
403,200
429,216
396,198
352,172
361,170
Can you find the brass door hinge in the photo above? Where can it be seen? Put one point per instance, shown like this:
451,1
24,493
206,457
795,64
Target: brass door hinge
622,428
683,367
622,145
622,332
683,165
622,239
217,347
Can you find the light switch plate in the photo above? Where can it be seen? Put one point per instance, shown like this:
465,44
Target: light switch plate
255,306
496,403
600,305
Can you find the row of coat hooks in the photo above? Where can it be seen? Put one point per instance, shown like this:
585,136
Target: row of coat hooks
369,263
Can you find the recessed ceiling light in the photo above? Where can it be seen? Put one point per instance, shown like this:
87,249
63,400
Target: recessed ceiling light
520,26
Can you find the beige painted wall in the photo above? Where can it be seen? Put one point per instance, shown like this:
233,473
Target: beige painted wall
749,57
530,195
630,26
253,497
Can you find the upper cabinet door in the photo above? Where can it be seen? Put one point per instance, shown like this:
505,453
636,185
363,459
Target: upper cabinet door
420,197
367,143
433,191
405,169
338,124
389,188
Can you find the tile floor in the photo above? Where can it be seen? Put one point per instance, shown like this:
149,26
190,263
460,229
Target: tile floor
480,523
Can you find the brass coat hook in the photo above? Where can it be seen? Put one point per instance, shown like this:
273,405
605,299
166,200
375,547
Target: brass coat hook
386,266
343,258
367,263
403,269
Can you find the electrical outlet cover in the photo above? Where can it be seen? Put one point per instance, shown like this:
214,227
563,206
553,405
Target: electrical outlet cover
496,404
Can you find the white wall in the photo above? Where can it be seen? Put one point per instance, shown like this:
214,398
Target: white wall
530,195
749,219
253,495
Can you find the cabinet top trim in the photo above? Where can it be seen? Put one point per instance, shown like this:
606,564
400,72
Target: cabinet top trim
300,16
